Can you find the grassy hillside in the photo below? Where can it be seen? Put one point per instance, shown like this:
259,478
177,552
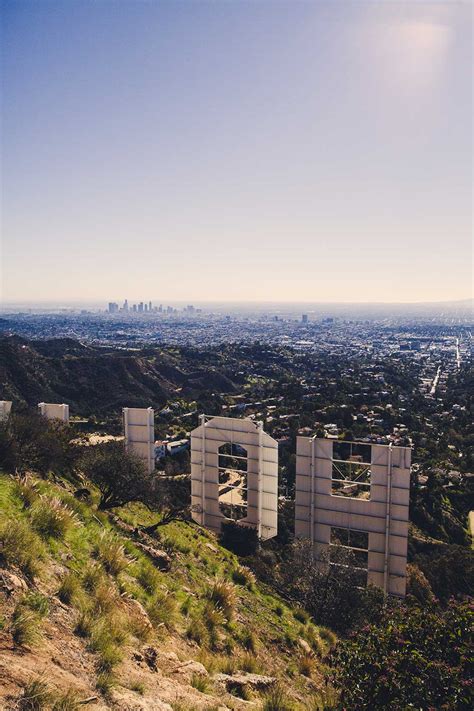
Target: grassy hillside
89,611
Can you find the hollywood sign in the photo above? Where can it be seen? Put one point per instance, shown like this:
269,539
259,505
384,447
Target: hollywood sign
352,496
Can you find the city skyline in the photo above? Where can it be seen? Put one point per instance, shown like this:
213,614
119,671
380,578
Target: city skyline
270,152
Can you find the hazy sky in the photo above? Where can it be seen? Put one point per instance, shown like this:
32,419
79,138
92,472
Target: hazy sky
265,150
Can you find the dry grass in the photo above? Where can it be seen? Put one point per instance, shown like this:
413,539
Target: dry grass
20,547
163,610
222,595
111,552
51,518
70,589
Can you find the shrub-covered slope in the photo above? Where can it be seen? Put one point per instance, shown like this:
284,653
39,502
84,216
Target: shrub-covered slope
92,611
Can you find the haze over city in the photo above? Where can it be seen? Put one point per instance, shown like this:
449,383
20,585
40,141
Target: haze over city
204,151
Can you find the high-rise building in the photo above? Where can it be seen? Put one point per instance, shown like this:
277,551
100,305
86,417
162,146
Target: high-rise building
304,318
125,305
149,306
113,307
140,307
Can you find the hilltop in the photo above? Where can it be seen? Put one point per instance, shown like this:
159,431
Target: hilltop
99,380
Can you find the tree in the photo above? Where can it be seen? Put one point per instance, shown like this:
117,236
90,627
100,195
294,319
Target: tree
415,658
171,496
120,476
329,587
30,442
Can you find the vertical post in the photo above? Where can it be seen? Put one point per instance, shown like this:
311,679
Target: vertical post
151,439
203,469
311,514
125,426
259,480
387,520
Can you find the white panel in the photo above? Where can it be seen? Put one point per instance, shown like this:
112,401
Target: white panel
262,452
54,411
139,432
358,514
5,408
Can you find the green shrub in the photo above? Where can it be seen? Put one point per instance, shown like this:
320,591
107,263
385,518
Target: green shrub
36,602
35,697
148,577
25,626
200,682
68,701
104,597
306,665
20,546
277,700
248,663
27,490
197,632
382,668
301,615
243,576
137,686
84,624
111,552
279,610
163,610
51,518
69,589
222,595
93,575
105,682
242,540
248,640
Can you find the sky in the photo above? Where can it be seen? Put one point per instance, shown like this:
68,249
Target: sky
236,150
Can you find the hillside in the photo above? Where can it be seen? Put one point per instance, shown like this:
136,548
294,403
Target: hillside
88,606
94,380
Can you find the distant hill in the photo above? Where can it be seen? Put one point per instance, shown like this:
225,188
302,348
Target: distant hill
95,380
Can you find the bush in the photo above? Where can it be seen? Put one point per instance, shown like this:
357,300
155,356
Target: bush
243,576
248,640
111,552
163,610
35,696
70,589
93,575
222,595
51,518
200,682
20,546
277,700
66,702
27,490
240,539
197,632
25,626
148,577
36,602
120,476
415,657
306,664
330,593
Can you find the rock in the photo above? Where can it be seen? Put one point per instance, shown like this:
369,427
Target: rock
211,547
235,682
190,668
159,557
125,700
137,609
304,645
11,583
